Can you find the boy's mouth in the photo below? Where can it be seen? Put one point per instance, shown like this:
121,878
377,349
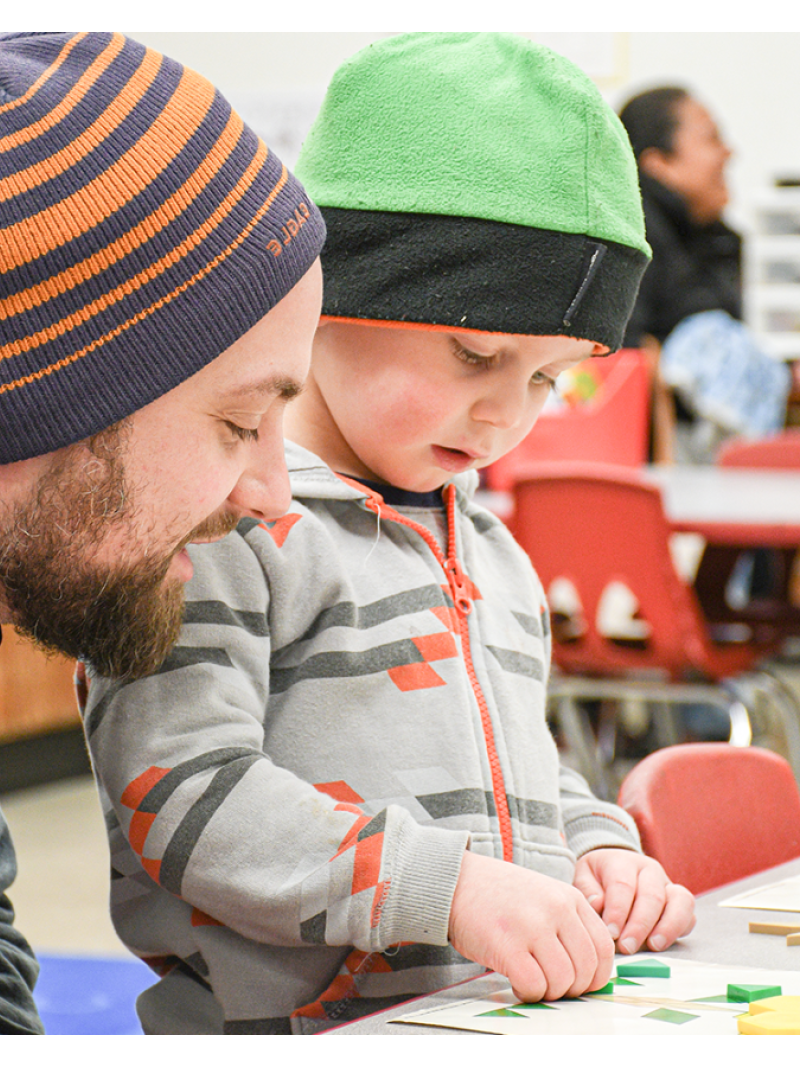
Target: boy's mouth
453,459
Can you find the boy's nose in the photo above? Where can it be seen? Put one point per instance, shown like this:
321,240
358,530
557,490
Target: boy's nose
503,408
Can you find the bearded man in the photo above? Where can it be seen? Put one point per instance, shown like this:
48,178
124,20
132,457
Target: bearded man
159,290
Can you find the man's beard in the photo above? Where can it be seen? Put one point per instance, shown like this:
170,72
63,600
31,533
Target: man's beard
123,618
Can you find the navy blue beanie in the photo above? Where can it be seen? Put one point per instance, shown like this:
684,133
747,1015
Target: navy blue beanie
143,229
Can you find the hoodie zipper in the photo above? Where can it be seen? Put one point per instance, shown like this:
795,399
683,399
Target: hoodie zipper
460,594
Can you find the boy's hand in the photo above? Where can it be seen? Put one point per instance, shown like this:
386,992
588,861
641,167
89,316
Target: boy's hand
634,898
538,932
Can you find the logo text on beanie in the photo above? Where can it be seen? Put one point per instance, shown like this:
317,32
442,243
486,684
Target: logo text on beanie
290,229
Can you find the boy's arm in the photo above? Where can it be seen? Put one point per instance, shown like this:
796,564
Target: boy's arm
215,822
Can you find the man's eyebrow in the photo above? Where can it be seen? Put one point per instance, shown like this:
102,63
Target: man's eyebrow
285,388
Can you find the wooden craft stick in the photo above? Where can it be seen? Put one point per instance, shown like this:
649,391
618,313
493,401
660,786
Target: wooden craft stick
793,939
775,928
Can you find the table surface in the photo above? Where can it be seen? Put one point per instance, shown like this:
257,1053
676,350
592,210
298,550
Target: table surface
725,504
720,936
728,504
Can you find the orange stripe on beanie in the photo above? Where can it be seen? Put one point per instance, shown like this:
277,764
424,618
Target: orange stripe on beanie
143,229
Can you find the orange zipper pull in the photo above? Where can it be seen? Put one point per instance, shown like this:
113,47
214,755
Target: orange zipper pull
455,575
458,586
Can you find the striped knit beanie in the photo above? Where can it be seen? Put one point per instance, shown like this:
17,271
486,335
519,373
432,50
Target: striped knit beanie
143,229
476,181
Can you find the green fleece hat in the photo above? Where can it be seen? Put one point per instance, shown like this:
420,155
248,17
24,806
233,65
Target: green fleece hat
476,181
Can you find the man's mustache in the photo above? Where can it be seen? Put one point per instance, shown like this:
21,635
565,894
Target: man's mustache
211,529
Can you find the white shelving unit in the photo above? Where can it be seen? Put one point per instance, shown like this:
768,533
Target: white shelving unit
772,293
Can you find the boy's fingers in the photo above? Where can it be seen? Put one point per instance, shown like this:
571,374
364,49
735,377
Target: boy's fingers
647,911
578,960
566,963
540,933
597,960
677,919
586,882
528,981
560,969
617,904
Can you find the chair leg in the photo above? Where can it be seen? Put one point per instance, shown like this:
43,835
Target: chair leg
582,749
741,735
607,725
667,724
772,699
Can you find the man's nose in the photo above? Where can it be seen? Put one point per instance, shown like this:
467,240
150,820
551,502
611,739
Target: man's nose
263,489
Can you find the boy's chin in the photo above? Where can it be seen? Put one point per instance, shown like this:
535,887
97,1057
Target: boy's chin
424,485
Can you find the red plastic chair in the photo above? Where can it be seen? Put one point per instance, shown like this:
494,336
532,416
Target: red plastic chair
773,606
612,427
711,813
591,525
593,532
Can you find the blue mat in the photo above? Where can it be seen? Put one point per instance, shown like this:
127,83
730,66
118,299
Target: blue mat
90,995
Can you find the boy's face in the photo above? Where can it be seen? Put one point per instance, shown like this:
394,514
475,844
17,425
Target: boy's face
411,407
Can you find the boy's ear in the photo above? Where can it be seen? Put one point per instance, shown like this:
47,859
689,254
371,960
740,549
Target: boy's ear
599,350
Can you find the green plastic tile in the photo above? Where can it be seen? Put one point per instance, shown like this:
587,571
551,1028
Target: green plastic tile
669,1015
501,1013
644,969
533,1007
747,993
604,992
608,989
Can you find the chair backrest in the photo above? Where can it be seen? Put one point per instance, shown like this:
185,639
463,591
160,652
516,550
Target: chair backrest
711,813
599,540
781,451
612,427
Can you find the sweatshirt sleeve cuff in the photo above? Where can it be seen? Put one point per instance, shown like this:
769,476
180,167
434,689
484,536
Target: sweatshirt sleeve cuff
426,867
599,829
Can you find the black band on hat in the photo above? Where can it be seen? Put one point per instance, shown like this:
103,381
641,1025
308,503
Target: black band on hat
477,274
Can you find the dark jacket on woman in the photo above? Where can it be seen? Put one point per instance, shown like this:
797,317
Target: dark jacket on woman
694,268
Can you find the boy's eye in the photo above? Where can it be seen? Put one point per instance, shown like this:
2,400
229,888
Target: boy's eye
472,358
244,433
540,378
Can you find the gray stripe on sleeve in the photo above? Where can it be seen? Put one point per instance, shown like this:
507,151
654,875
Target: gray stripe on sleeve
182,843
156,797
216,613
190,657
518,662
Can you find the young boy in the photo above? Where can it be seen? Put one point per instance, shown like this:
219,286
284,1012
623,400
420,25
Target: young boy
340,789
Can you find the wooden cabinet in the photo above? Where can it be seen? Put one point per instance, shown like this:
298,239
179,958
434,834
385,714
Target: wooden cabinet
36,690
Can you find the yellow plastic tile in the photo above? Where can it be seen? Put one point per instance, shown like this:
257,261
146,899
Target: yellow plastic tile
786,1005
769,1022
